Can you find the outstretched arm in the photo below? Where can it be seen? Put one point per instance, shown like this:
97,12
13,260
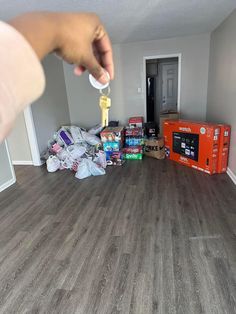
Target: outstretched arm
79,38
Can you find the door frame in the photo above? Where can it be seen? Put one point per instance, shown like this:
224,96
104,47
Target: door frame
162,56
29,122
10,182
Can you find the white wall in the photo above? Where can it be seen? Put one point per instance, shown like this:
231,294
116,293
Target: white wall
222,80
51,111
82,98
126,101
18,141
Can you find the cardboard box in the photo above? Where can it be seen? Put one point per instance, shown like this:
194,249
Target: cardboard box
151,129
134,141
155,148
167,116
223,148
133,156
114,158
133,149
134,132
112,134
136,122
194,144
111,146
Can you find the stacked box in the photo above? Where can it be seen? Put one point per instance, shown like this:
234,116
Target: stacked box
113,141
134,141
136,122
151,130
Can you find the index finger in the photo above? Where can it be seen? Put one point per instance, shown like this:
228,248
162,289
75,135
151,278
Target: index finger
104,50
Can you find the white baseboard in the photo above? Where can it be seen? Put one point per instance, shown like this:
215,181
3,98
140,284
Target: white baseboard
39,164
22,162
7,184
231,175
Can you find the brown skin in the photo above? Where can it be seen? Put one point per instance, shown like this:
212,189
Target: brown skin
79,38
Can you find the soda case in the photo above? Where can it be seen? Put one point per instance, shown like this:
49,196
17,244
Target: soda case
194,144
133,150
136,122
134,132
135,156
134,141
223,148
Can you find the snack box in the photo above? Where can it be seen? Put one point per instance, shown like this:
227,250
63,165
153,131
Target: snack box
134,132
134,141
138,156
112,134
111,146
133,149
114,158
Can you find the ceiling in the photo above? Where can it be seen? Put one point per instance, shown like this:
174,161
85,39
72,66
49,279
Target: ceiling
137,20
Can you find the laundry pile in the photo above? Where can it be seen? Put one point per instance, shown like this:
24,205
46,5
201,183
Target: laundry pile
73,148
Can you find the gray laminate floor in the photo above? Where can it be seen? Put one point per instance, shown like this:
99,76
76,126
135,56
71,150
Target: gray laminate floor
149,237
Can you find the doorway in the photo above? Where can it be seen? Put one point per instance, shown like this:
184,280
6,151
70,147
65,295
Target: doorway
162,82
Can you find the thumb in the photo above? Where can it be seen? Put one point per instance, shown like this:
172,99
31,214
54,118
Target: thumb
94,68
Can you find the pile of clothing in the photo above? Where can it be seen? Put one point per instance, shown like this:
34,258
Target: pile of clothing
73,148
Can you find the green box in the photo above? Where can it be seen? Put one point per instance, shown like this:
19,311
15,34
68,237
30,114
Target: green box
138,156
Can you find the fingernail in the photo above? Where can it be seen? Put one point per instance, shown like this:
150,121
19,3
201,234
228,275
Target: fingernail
105,78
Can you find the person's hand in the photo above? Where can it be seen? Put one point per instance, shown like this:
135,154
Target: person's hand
79,38
84,42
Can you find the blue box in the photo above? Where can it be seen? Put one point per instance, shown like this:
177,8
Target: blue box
111,146
134,141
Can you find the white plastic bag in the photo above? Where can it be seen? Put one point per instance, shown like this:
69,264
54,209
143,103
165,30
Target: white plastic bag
63,154
76,151
76,134
67,163
91,139
100,159
96,129
83,170
95,169
53,163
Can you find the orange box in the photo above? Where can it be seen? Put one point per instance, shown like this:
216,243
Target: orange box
193,144
223,148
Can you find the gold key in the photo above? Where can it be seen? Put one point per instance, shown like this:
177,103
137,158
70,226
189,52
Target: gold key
105,104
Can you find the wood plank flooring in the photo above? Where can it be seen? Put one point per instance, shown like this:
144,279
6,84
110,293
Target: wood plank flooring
148,237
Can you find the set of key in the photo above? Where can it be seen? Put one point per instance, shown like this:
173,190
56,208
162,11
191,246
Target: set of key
105,104
104,100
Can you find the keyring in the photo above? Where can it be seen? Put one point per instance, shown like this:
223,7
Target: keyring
108,91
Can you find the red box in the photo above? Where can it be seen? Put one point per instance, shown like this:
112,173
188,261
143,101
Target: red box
136,122
133,149
223,148
134,132
194,144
